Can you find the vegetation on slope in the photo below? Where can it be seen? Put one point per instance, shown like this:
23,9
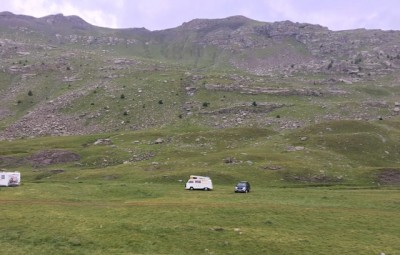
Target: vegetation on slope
106,125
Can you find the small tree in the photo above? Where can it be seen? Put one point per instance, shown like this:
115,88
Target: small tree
206,104
254,103
30,93
160,102
330,65
122,96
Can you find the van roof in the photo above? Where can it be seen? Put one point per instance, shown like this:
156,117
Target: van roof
199,177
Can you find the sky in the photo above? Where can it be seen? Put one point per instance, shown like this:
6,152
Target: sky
164,14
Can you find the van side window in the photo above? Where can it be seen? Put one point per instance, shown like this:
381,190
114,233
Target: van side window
190,181
3,176
197,181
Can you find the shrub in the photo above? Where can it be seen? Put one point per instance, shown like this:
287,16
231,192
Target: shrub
122,96
330,64
254,103
206,104
160,102
358,60
30,93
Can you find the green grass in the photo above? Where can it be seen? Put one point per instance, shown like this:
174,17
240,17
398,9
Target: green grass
326,197
121,217
317,184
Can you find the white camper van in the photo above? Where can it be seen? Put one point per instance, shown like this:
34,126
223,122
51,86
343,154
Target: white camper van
199,182
10,178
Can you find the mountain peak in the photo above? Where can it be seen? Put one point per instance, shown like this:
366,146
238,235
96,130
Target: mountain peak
6,13
232,22
58,19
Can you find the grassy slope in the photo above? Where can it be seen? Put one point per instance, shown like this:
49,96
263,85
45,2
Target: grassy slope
102,205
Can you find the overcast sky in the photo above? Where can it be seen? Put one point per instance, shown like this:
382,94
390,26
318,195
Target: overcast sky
162,14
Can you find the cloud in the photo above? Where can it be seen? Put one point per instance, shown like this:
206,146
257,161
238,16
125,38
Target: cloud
93,15
34,8
337,15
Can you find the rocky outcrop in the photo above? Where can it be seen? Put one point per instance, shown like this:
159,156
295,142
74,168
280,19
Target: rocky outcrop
158,77
264,48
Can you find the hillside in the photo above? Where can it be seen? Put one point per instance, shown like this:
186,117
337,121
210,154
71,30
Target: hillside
63,76
106,125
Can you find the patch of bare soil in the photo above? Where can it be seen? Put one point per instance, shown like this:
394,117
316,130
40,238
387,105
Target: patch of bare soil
7,161
389,176
48,157
315,179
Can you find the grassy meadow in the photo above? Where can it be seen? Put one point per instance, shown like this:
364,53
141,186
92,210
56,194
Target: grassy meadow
128,197
321,149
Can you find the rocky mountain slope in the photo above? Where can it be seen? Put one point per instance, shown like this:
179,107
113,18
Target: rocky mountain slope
60,75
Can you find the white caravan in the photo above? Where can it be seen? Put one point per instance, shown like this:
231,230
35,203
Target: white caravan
199,182
10,178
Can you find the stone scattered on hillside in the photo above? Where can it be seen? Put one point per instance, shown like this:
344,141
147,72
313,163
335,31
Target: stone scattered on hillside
143,156
71,60
229,160
295,148
105,141
159,141
273,167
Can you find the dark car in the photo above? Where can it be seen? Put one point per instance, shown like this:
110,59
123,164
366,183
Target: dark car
243,187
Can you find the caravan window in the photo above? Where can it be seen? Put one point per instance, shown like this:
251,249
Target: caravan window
3,176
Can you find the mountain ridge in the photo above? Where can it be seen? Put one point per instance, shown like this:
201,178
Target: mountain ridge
204,71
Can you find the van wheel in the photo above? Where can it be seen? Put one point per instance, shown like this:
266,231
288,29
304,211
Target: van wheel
191,188
205,188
